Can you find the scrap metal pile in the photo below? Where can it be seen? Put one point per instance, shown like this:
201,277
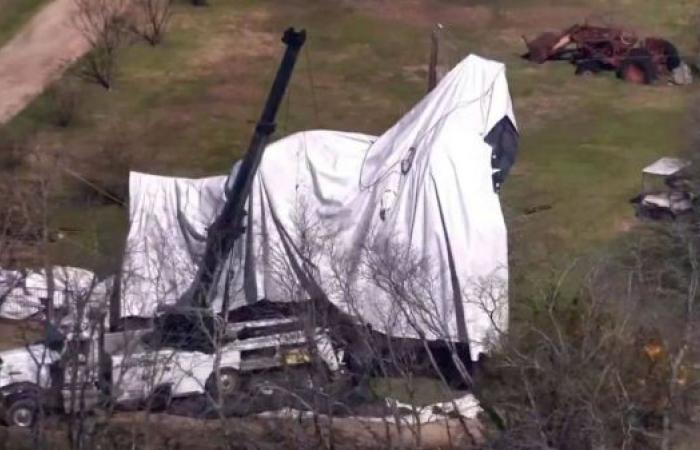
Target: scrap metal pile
594,49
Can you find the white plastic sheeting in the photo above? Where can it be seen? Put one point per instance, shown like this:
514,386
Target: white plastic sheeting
23,294
168,221
330,212
466,407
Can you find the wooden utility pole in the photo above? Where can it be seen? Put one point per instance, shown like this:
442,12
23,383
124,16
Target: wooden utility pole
434,51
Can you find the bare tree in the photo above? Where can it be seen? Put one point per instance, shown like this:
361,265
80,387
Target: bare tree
150,19
102,23
64,97
561,379
608,365
408,285
600,368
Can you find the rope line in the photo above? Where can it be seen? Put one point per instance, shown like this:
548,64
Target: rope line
93,186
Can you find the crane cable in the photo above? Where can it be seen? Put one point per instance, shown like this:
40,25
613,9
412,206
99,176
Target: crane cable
94,186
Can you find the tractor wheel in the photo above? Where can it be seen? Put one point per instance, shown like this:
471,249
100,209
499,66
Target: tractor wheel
588,67
637,67
664,54
672,57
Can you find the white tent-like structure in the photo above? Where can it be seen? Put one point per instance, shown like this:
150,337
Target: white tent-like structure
330,212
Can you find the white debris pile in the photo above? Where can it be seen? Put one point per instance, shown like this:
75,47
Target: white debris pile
466,407
25,293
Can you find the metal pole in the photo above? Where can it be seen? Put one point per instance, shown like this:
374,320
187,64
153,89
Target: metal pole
115,300
228,226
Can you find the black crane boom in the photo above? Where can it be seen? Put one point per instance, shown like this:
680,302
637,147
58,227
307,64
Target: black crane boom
228,226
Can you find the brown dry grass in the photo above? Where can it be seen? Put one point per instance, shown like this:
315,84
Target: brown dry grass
18,333
161,431
426,13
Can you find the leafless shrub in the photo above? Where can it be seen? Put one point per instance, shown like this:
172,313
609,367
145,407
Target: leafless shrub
321,269
597,369
607,367
103,24
668,271
20,229
25,217
561,380
17,231
64,102
102,175
13,151
150,19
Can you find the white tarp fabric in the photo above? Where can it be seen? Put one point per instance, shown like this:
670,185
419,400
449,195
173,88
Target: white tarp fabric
168,221
331,212
23,294
466,407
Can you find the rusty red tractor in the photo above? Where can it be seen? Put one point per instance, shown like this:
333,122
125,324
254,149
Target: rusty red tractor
593,49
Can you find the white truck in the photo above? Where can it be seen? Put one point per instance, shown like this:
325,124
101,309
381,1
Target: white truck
141,369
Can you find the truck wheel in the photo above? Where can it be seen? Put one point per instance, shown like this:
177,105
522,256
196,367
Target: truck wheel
160,399
229,383
22,412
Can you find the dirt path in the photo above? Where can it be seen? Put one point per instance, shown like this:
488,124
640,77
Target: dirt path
37,55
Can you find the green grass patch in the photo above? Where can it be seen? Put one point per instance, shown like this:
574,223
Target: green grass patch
586,166
14,14
418,391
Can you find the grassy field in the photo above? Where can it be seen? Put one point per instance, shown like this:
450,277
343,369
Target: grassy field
189,106
15,13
